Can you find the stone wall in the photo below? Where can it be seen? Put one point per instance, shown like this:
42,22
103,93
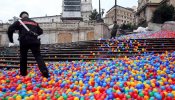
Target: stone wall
154,26
101,31
3,35
169,25
64,32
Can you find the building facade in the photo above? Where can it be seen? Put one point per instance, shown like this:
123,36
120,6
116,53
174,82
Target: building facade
86,9
124,16
71,9
76,10
55,30
46,19
145,11
170,2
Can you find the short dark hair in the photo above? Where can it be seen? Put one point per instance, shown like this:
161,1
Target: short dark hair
24,12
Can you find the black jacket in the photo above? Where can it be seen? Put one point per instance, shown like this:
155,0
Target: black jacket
32,25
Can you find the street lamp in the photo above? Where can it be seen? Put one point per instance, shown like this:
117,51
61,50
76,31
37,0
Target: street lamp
99,19
115,12
99,9
1,23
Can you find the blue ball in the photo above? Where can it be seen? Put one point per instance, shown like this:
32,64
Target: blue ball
170,95
84,91
158,96
109,91
112,84
4,90
173,87
110,96
62,85
12,89
104,84
1,95
152,98
157,84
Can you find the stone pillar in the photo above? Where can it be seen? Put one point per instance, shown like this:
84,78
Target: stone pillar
4,41
101,31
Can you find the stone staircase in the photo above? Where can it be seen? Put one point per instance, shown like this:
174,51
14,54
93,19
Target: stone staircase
89,50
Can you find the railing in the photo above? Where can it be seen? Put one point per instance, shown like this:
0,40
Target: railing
66,25
4,27
54,26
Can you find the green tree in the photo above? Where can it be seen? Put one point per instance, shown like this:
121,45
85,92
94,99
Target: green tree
128,26
93,15
163,13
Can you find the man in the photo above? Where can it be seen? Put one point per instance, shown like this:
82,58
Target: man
27,41
114,31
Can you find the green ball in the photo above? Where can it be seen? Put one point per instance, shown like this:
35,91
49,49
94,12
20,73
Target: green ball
151,94
14,96
7,81
141,94
38,85
57,96
5,98
48,98
82,98
65,97
128,96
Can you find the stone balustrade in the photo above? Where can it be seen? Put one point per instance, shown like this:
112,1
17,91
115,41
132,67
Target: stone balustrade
63,26
57,26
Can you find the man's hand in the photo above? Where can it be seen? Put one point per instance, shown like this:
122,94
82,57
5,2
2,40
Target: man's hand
11,44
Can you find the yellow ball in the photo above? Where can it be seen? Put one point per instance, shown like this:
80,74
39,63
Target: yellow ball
117,83
155,90
146,98
32,97
127,88
161,83
76,98
139,77
17,76
173,92
76,82
18,97
98,88
97,92
27,98
132,84
165,93
61,98
132,79
170,81
147,86
153,85
128,83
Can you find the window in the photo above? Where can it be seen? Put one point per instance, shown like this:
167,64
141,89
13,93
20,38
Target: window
72,5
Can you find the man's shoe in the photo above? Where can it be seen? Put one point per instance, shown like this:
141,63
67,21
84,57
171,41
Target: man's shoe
46,75
23,74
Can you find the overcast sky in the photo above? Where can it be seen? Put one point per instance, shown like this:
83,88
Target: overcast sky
36,8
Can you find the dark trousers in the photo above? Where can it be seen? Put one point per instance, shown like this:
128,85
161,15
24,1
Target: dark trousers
113,36
35,48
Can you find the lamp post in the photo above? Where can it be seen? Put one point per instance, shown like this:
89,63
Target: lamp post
99,8
1,23
115,12
99,19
